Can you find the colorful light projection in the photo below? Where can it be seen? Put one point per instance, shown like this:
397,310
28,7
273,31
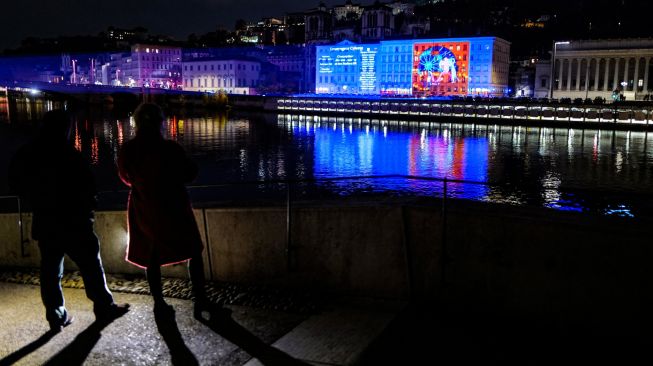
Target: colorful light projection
440,69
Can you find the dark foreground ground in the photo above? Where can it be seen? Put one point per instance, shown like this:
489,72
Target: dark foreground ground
303,329
267,326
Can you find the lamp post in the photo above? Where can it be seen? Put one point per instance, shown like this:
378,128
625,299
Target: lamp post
74,62
553,63
624,84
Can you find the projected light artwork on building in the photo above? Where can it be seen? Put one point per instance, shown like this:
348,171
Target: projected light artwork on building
440,69
416,68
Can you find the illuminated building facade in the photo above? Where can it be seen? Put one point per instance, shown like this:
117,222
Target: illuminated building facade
415,67
153,66
233,76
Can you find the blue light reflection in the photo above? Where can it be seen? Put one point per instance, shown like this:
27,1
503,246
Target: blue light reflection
350,149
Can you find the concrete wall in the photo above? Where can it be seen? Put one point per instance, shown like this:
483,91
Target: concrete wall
562,268
110,227
356,250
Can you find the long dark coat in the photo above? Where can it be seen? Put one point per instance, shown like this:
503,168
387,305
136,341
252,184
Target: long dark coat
161,220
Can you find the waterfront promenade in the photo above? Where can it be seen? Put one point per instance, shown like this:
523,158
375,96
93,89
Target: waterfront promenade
338,333
636,116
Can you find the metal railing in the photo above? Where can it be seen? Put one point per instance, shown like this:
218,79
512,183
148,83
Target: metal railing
23,240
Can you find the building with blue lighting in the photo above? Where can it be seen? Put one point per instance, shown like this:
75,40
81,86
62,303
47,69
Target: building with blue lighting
415,67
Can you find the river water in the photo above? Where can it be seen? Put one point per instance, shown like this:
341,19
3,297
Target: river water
596,171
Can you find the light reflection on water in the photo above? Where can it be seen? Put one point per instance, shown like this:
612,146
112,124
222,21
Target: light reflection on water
565,169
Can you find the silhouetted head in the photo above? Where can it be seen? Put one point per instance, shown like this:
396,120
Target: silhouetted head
56,126
148,118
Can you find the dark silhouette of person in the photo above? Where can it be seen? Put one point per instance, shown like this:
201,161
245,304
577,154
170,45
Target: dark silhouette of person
162,226
55,179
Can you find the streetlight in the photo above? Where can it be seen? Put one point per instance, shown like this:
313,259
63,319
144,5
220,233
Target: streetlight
553,63
624,84
74,62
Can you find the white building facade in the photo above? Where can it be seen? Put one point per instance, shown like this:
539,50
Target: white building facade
600,68
232,76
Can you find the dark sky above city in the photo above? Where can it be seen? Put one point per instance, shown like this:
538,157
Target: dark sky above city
178,18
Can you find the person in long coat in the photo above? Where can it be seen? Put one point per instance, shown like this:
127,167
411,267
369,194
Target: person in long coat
162,226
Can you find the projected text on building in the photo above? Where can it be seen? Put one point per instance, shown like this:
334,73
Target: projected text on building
347,68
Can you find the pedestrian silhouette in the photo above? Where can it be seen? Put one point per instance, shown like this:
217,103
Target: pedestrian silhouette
55,179
162,226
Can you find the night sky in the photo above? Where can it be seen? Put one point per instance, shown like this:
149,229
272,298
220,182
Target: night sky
178,18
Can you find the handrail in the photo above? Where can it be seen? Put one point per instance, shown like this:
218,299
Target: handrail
335,179
323,179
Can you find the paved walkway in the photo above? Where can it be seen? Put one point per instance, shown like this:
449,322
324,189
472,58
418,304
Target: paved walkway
136,338
337,335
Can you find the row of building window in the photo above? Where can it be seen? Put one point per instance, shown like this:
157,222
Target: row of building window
221,67
160,59
218,83
165,51
157,66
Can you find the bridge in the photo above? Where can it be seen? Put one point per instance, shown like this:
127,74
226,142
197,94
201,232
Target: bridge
102,95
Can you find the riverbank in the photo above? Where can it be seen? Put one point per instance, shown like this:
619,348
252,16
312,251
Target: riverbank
512,112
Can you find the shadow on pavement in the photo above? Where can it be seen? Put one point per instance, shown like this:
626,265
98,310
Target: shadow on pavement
27,349
230,330
179,352
78,350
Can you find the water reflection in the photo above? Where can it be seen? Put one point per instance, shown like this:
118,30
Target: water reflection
566,169
356,148
560,168
27,109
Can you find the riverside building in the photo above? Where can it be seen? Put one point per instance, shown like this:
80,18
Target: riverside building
152,66
233,76
415,67
598,68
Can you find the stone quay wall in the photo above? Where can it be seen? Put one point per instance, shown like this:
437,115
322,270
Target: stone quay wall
566,268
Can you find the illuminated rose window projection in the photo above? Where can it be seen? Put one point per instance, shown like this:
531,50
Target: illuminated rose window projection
440,69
